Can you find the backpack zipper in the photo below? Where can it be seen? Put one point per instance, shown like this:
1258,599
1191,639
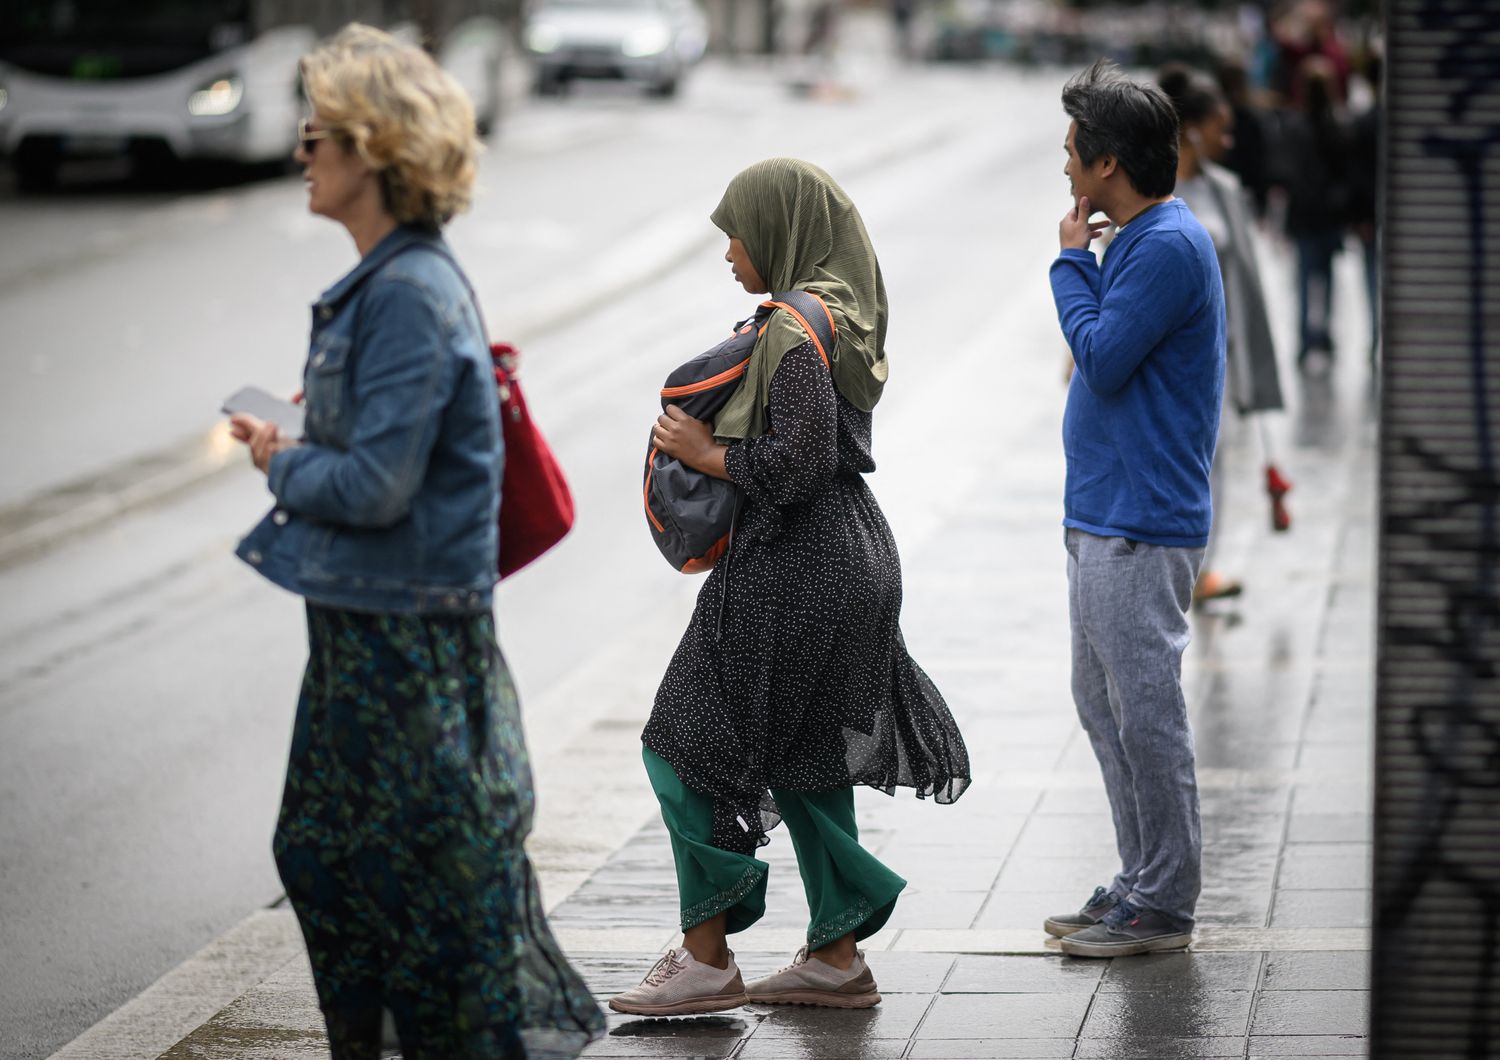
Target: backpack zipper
646,492
725,376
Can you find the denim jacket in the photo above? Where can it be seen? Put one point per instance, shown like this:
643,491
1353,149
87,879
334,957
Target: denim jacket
390,502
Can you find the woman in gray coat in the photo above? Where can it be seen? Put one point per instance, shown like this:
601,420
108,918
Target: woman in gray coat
1215,196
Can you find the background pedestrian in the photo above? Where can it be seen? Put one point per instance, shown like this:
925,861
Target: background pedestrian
1364,191
1219,203
1317,206
1248,153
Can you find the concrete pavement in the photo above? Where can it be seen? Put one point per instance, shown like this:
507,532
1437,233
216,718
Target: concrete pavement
1279,683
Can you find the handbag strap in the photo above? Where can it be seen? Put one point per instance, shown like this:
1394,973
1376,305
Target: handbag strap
463,277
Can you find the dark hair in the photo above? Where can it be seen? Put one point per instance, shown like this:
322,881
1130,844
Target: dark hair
1132,121
1234,81
1374,69
1319,93
1194,95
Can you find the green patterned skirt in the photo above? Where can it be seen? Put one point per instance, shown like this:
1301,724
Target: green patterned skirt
408,798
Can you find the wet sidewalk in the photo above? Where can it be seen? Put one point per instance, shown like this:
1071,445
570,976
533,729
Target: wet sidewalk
1279,685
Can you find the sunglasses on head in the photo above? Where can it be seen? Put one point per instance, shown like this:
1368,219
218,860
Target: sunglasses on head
308,137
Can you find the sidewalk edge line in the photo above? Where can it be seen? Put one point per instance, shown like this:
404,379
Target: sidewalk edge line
194,991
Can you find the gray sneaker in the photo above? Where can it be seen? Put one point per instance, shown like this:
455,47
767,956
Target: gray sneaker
1093,911
679,985
1126,931
813,982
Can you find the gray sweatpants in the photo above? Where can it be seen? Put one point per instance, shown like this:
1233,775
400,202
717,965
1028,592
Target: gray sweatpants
1128,603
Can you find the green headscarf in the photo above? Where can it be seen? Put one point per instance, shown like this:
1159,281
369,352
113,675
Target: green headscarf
802,232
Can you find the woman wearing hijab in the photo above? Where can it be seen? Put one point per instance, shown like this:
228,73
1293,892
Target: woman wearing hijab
792,684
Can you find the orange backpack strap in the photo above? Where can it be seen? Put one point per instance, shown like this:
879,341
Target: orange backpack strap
809,311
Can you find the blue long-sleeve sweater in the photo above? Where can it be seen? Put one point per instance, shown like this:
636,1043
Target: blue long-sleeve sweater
1147,332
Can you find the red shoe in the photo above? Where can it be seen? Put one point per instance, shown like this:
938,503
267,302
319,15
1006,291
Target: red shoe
1214,586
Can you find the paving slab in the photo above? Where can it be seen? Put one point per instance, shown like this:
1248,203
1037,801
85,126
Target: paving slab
823,1049
1192,1048
1032,1015
1190,971
992,1049
1324,908
1186,1011
897,1016
1317,971
1023,975
1282,1047
1311,1012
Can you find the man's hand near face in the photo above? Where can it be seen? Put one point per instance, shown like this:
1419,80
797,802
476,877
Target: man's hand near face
1075,231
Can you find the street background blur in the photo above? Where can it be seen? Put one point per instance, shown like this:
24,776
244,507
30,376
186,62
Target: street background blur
147,681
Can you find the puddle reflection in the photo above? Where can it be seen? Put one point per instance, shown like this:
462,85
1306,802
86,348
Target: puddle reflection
682,1027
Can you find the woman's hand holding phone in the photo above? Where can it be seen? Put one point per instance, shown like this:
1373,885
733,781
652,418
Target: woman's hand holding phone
264,438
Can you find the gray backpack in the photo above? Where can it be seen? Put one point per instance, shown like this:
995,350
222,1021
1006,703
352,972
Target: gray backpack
691,515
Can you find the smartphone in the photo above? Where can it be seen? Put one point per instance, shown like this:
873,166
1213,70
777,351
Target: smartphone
267,406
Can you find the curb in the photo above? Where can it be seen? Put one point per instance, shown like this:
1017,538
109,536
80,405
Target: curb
192,993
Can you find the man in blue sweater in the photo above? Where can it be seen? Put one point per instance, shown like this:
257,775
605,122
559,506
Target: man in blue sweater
1147,333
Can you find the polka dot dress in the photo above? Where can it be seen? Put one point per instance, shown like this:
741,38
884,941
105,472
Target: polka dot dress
793,672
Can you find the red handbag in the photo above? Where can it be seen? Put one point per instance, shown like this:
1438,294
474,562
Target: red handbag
536,507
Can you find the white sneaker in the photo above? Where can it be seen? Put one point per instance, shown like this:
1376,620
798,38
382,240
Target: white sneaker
679,985
813,982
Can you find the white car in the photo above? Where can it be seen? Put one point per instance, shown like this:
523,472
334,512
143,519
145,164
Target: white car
162,80
651,42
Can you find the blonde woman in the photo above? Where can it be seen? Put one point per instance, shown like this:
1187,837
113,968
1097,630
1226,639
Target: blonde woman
408,793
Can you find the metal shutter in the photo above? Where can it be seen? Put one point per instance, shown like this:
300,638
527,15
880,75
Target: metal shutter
1437,832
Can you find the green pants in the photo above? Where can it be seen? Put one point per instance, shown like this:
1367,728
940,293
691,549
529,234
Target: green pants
848,889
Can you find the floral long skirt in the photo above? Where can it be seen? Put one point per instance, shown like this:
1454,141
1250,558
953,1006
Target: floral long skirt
408,798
